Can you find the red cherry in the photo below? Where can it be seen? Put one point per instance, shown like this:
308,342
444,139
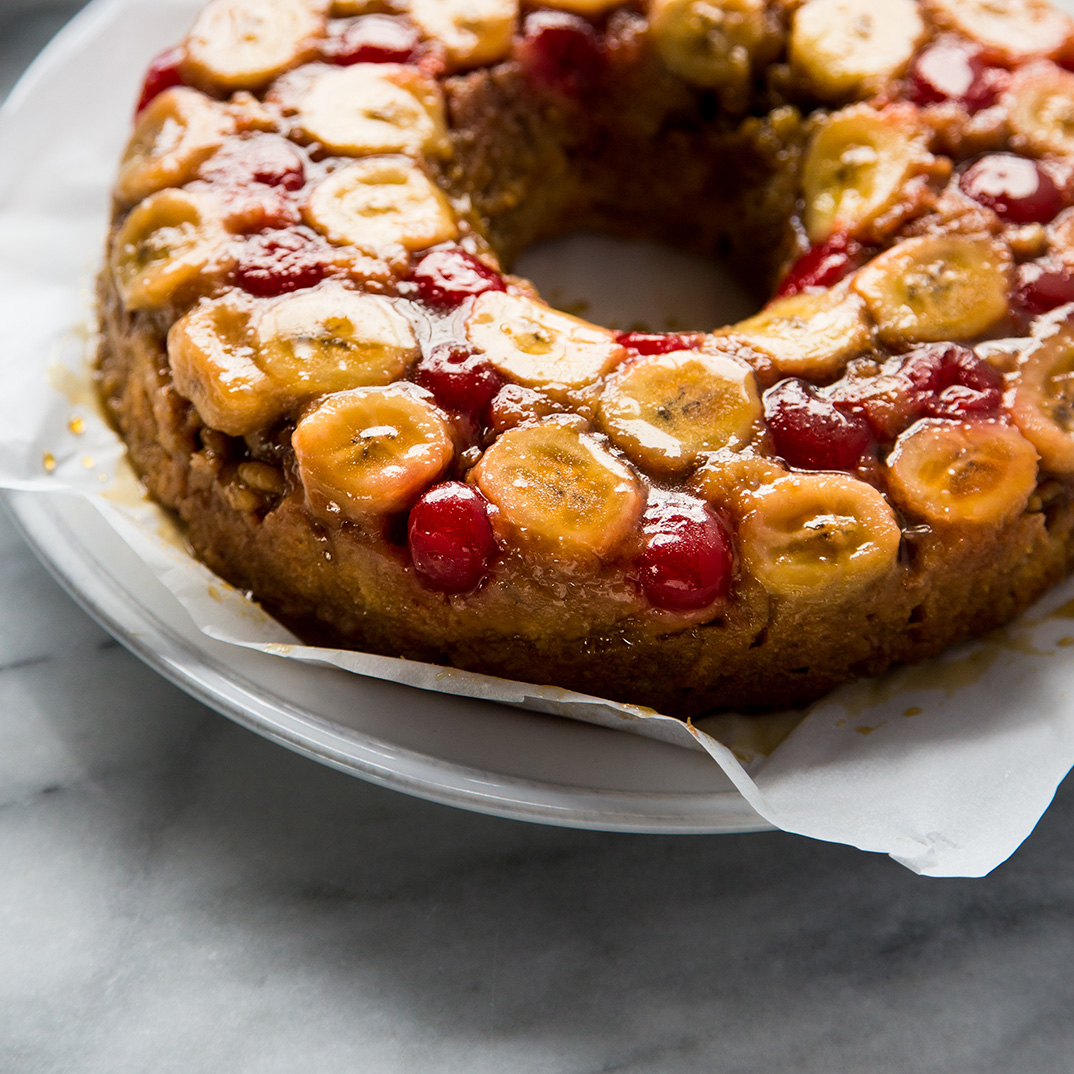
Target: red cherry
560,52
822,265
374,39
163,73
950,381
811,432
450,537
687,560
277,262
446,278
949,71
1044,286
267,159
1015,188
461,379
651,342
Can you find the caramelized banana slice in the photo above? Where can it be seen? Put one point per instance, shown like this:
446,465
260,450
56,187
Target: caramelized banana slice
981,473
818,535
538,346
665,410
809,334
1042,109
177,132
1018,29
331,338
244,367
857,169
168,240
852,48
1043,405
710,43
374,108
474,32
380,204
559,491
212,361
371,451
937,287
243,44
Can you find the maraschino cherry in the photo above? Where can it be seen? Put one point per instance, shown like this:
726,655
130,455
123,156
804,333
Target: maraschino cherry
952,71
687,560
277,262
461,379
450,538
822,265
561,52
1015,188
374,39
163,73
810,432
446,278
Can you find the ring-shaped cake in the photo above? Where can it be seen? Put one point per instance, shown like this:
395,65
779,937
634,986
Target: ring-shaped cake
317,359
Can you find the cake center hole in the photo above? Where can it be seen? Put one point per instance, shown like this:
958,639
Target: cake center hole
635,284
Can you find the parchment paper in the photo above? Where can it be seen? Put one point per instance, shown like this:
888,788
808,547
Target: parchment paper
946,766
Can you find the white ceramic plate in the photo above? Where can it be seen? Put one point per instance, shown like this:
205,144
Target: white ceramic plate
472,754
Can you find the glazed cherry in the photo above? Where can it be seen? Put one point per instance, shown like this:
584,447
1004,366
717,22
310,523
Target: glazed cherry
687,560
450,538
651,342
163,74
460,378
1015,188
822,265
811,433
561,52
267,159
446,278
950,381
1044,286
949,71
374,39
277,262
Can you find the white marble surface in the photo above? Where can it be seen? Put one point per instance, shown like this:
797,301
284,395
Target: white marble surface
179,896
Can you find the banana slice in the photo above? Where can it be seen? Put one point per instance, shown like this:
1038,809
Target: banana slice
818,535
169,240
380,204
176,133
858,168
332,338
538,346
937,287
980,473
243,44
211,354
1042,109
665,410
244,367
809,334
710,43
1043,404
474,32
374,108
559,491
852,48
371,451
1017,29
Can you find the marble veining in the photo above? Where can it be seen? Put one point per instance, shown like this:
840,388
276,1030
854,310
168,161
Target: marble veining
180,896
